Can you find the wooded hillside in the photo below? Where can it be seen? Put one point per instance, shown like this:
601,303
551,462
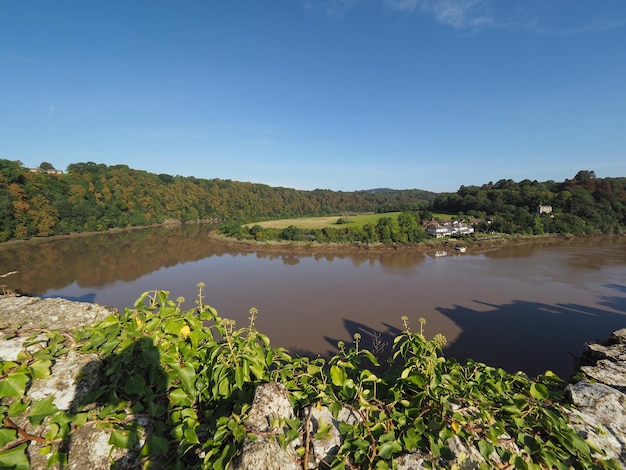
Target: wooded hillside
582,205
92,196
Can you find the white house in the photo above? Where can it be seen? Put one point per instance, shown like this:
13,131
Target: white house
438,230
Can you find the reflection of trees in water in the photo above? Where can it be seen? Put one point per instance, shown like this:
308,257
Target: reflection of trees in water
101,259
105,258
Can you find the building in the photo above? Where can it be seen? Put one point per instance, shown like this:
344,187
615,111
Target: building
542,209
438,230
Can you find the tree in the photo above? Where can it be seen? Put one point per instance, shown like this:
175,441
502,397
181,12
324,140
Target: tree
45,166
585,175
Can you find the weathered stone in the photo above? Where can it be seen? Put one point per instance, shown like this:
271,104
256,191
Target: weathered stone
467,457
323,450
264,453
599,412
53,313
270,407
600,351
600,417
413,461
608,372
73,375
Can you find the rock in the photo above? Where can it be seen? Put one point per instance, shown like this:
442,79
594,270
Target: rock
323,450
54,313
413,461
599,412
271,406
600,417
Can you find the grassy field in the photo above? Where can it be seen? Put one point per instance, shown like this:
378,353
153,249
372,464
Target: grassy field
322,222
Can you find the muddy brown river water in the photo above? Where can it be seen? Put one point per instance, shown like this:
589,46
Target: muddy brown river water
529,307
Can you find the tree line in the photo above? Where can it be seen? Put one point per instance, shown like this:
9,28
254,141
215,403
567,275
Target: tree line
94,197
406,228
583,205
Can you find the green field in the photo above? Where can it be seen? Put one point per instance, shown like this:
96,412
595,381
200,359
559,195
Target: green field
322,222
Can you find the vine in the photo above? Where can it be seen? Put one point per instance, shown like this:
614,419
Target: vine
175,388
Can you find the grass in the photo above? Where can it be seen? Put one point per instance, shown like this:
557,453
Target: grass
322,222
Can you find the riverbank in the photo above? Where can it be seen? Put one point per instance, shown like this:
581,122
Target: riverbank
476,244
472,245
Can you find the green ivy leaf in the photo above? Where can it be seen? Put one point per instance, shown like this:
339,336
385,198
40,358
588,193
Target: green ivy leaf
387,449
539,391
14,385
17,408
123,438
187,376
15,458
41,369
156,445
338,376
6,436
42,409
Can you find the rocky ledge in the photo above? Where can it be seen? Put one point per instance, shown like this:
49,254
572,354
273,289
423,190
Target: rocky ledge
597,400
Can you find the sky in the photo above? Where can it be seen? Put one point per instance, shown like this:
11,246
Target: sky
332,94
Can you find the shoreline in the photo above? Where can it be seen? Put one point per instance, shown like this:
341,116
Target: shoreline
473,245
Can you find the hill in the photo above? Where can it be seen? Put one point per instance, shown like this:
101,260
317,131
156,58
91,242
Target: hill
92,197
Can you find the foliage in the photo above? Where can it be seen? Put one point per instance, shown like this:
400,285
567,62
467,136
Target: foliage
583,205
177,385
401,227
94,197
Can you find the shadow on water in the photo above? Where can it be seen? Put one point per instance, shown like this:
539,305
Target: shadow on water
531,336
134,377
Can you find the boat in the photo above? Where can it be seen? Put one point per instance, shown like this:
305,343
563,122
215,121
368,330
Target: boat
461,249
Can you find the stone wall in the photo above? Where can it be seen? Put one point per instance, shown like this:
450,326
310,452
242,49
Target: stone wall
598,399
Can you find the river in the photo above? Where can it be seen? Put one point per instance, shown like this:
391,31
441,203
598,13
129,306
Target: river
529,307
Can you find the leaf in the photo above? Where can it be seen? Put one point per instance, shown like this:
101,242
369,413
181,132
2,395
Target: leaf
136,385
6,436
14,385
338,376
485,449
17,408
239,379
157,445
15,458
187,376
41,369
122,438
174,326
180,397
387,449
539,391
42,409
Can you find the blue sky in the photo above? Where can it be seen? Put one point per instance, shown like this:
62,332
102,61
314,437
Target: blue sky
334,94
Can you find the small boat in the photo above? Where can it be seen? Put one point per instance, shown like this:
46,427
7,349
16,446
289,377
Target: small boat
440,253
461,249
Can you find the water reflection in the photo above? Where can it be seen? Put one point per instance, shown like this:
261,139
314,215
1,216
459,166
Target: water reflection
530,307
